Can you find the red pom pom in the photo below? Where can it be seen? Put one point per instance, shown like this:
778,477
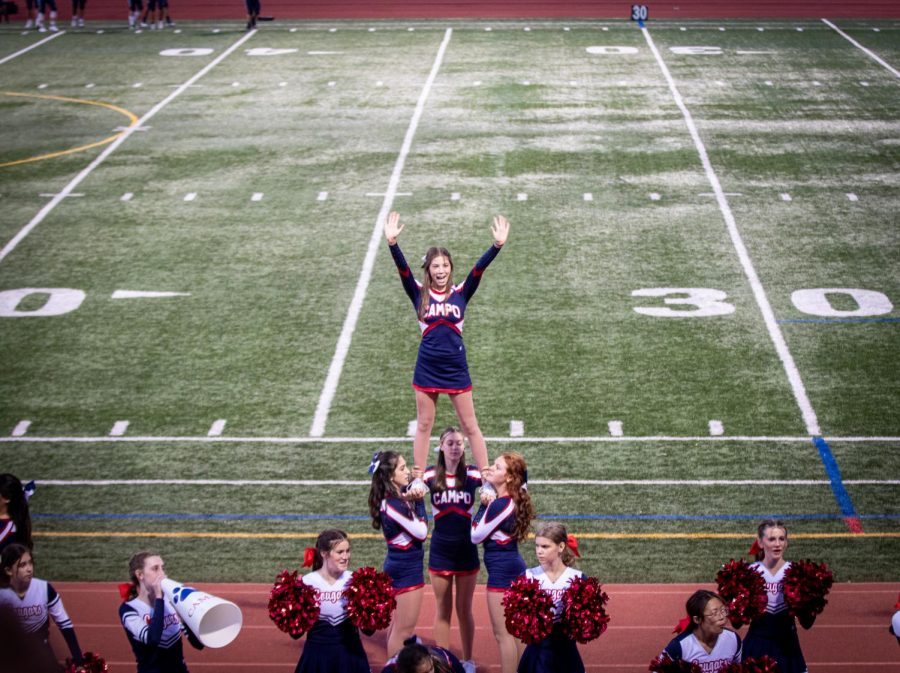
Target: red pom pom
663,664
528,610
763,664
806,584
370,599
682,625
584,615
293,605
93,663
744,592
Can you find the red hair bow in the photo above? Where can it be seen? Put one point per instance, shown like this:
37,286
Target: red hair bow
125,589
754,549
572,543
309,555
682,624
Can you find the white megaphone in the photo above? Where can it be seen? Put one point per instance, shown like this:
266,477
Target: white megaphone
215,621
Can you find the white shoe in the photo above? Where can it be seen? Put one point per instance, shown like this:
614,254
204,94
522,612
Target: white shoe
53,28
468,666
81,23
143,25
74,22
159,25
41,29
29,24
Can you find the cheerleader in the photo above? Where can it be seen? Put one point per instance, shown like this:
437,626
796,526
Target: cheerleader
555,551
405,527
500,526
15,521
705,641
452,557
441,365
333,644
774,633
34,601
151,624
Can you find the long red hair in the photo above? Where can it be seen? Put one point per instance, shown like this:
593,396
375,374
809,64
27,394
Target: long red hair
516,478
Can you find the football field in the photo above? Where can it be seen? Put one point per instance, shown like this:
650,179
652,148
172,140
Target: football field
693,326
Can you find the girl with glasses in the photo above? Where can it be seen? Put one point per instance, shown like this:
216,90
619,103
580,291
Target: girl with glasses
705,640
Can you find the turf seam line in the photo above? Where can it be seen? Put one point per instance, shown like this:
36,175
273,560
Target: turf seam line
332,379
112,147
33,46
868,52
775,334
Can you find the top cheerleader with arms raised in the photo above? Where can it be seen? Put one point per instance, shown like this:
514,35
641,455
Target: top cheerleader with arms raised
441,365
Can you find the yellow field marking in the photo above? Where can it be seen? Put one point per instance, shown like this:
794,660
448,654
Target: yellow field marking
131,116
378,536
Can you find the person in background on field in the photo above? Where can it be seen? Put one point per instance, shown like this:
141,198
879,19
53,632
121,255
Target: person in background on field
34,601
47,7
705,640
501,526
415,657
452,557
405,527
333,644
78,13
151,624
555,550
253,8
15,519
774,633
441,365
30,13
135,7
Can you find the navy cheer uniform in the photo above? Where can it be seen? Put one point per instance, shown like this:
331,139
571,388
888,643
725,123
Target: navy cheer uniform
452,551
34,610
441,364
686,647
155,636
775,633
333,644
405,527
494,525
557,652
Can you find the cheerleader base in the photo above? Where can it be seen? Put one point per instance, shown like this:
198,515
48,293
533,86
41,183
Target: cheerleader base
775,635
333,649
554,654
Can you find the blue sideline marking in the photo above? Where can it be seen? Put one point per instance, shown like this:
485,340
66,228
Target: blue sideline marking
837,484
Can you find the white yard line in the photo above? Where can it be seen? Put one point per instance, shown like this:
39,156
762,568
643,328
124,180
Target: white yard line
112,147
343,344
599,439
868,52
33,46
543,482
775,334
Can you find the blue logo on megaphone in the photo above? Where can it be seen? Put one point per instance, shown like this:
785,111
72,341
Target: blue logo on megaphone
181,593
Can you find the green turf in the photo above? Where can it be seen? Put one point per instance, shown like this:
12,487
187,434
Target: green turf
553,337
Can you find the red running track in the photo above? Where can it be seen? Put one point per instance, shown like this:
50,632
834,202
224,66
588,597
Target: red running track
851,636
505,9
